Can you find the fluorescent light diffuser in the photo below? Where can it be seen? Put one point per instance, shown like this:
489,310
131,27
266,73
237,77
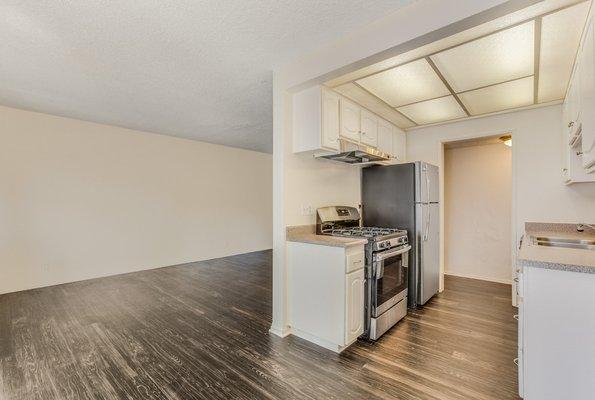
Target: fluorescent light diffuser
500,97
560,37
431,111
406,84
492,59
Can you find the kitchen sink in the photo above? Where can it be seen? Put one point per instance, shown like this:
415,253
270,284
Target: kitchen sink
585,244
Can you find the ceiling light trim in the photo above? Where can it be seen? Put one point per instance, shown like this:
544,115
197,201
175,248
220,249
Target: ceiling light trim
495,84
443,79
536,57
489,114
422,101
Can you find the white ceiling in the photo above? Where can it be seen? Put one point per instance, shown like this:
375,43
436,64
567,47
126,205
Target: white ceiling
197,69
519,60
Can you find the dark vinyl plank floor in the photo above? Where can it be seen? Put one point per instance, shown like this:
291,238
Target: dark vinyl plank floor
200,331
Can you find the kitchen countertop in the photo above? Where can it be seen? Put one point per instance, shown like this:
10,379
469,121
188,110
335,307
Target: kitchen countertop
558,258
307,234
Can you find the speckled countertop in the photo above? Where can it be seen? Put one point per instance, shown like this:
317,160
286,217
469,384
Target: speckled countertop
307,234
558,258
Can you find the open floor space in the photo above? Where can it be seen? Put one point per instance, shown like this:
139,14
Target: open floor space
200,331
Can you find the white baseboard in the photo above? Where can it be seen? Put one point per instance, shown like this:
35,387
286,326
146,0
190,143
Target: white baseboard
281,332
480,278
316,340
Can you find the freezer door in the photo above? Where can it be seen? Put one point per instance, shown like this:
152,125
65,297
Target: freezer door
429,251
427,181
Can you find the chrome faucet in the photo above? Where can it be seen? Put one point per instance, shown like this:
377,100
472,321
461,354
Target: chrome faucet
581,227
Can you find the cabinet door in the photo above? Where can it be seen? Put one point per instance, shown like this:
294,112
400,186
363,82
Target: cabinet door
399,145
587,97
350,120
355,305
385,136
330,120
369,129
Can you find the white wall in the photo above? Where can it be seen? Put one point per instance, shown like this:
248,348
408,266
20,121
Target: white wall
538,192
477,212
80,200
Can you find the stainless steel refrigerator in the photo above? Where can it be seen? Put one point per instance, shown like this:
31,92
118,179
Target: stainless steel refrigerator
406,196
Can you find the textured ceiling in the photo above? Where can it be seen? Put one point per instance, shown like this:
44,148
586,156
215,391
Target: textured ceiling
191,68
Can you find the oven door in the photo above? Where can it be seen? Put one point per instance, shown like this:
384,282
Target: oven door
390,275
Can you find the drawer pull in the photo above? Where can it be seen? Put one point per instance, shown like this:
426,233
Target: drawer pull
516,362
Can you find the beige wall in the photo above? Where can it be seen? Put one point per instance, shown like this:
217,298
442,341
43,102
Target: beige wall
80,200
477,212
538,191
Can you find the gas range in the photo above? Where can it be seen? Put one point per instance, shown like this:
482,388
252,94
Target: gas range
380,238
386,266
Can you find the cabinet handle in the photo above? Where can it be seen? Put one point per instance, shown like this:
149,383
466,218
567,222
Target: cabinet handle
516,362
516,316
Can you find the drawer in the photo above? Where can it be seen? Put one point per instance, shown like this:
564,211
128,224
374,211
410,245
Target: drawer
354,262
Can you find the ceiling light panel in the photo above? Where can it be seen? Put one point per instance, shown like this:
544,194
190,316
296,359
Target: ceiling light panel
518,93
431,111
560,37
409,83
492,59
486,28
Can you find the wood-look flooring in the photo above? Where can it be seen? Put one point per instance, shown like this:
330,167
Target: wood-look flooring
200,331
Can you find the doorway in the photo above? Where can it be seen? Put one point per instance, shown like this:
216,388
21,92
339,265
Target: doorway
478,208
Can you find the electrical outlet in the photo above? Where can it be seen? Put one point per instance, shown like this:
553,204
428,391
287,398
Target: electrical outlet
307,210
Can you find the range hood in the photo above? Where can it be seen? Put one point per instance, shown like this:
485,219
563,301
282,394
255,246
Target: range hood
356,153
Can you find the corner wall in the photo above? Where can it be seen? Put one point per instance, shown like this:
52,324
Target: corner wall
80,200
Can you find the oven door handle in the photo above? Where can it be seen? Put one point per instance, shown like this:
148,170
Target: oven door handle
391,253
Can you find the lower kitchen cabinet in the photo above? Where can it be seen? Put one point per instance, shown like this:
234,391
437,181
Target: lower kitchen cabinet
556,349
354,299
326,293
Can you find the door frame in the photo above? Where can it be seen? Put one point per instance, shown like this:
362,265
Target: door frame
513,220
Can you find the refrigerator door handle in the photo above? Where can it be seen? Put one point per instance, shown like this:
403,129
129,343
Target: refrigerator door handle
427,230
427,186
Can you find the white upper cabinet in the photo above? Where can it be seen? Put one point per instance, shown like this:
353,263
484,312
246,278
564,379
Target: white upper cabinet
350,120
369,128
399,145
322,117
385,136
577,115
587,97
316,122
330,120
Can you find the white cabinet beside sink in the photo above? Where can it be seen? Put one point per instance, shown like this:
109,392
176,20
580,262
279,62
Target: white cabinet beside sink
556,350
321,117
